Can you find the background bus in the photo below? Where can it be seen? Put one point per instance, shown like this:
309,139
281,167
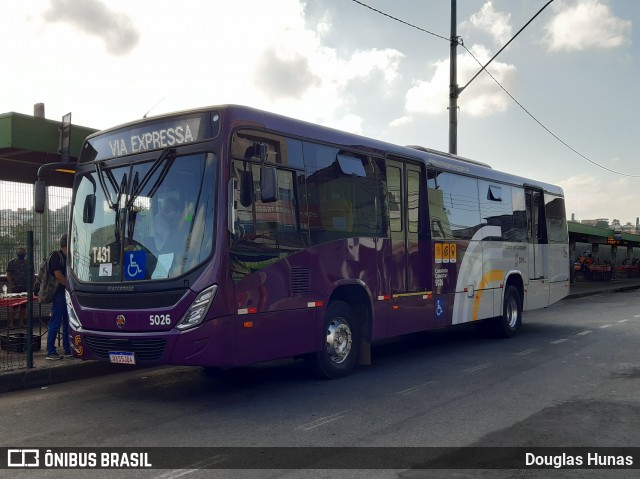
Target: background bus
290,239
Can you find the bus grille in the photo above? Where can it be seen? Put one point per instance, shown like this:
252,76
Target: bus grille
163,299
144,349
300,280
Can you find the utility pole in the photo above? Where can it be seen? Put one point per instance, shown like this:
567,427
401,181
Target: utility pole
453,84
454,90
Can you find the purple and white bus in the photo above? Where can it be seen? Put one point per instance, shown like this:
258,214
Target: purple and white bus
228,236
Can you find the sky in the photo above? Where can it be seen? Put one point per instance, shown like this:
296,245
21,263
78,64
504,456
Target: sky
571,75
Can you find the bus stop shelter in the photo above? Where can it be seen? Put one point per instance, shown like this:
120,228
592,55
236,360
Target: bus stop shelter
607,249
28,142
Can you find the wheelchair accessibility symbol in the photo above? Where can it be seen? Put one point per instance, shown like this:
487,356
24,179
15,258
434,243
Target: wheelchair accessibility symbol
440,308
135,265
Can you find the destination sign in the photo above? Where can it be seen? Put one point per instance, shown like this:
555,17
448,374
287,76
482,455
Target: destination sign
156,135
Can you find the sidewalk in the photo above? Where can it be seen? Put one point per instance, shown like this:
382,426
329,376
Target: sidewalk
581,289
46,373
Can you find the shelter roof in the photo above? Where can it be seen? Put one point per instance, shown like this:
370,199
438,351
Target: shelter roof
28,142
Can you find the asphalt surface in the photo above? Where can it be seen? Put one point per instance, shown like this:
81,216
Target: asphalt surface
45,372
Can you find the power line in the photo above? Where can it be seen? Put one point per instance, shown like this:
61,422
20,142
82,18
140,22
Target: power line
399,20
547,129
505,45
564,143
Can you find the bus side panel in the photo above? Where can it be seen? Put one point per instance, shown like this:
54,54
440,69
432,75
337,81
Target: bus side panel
558,263
537,294
381,307
483,278
282,303
557,291
501,259
211,344
537,291
558,272
276,335
272,316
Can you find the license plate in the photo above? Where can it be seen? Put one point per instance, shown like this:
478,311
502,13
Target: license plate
121,357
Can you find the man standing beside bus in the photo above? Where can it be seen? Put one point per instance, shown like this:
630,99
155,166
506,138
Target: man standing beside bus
59,314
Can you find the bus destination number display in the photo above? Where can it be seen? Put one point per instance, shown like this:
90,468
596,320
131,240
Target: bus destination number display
101,258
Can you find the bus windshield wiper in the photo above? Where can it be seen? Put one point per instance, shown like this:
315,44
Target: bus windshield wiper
101,174
118,210
167,154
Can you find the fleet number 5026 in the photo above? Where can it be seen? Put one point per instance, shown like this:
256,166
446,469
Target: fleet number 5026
160,320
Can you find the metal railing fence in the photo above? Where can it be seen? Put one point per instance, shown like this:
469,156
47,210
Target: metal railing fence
16,219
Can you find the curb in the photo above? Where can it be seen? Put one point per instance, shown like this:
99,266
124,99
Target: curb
46,376
620,289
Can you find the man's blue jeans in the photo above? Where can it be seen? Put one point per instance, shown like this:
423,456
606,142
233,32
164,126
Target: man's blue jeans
59,315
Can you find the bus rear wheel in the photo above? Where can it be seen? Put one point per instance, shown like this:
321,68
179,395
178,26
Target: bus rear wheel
341,343
507,325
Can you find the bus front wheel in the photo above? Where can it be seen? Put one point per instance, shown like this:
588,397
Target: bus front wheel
507,325
341,343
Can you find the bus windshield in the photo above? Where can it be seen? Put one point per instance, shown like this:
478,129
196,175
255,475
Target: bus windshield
143,221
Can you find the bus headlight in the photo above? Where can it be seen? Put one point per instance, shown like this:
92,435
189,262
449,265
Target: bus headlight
198,310
74,322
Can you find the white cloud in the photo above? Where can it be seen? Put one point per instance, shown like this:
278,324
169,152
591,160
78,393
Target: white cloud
349,122
482,97
590,197
94,18
284,77
497,24
402,121
286,68
584,25
194,54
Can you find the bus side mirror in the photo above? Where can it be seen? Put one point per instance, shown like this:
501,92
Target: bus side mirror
246,189
268,184
89,209
39,196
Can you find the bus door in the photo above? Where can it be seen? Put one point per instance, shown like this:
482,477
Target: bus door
538,290
410,280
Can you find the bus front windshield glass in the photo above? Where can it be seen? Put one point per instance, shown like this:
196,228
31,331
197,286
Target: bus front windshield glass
146,221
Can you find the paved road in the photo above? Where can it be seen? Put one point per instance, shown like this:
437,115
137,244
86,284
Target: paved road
15,375
572,378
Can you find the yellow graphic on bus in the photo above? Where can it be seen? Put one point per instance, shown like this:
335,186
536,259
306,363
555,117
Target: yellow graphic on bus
452,253
438,252
445,253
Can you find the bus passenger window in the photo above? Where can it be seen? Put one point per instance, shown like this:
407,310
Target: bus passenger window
394,185
453,205
519,215
266,232
556,220
496,209
344,194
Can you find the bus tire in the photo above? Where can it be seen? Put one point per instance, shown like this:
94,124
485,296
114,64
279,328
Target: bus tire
507,325
341,343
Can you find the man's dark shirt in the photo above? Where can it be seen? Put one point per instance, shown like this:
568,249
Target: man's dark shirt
19,272
55,264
